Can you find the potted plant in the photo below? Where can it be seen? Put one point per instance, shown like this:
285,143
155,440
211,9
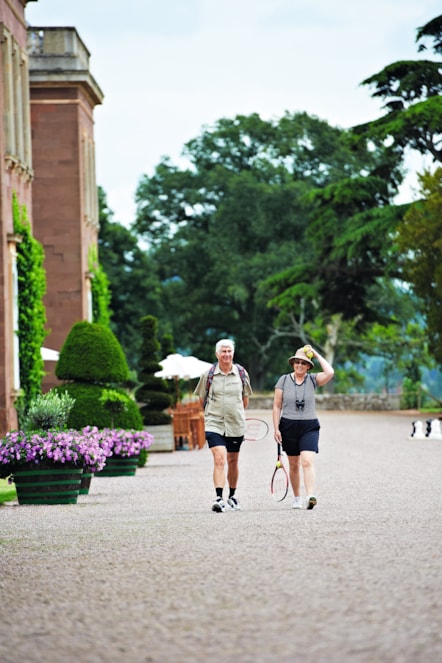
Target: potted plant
122,448
47,462
95,371
46,466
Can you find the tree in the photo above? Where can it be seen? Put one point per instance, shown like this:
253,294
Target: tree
133,280
412,91
101,312
152,393
353,223
420,240
239,214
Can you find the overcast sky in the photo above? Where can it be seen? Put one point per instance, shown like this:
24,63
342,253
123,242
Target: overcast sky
169,68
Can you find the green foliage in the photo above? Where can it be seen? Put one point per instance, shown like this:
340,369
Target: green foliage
31,310
8,492
420,241
243,213
89,409
152,394
91,353
101,296
133,279
143,457
49,411
114,402
283,231
92,357
412,93
410,394
348,380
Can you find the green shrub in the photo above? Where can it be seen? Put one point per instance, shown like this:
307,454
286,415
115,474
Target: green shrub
48,411
101,295
92,353
410,394
31,310
152,394
142,459
114,402
89,409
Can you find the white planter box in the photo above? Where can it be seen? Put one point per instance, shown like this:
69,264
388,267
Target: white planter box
163,439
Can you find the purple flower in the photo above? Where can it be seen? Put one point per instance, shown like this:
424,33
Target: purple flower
88,447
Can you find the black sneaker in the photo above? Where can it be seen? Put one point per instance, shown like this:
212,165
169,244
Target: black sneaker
219,505
311,501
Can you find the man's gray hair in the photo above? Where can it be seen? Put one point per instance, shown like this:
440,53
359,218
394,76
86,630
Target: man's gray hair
223,343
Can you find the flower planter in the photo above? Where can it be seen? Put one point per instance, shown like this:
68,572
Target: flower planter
119,466
47,483
86,479
163,439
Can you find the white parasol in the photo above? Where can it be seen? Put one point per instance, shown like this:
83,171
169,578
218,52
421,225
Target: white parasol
49,355
180,367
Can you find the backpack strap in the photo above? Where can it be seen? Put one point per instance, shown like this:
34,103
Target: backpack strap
209,381
242,375
210,374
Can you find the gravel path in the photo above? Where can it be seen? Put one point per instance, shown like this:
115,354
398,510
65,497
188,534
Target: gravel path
142,571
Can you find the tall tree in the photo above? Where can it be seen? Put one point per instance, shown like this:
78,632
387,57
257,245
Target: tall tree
134,285
412,94
239,214
412,91
420,240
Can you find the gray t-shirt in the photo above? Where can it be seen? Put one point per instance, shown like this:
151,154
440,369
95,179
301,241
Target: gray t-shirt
303,393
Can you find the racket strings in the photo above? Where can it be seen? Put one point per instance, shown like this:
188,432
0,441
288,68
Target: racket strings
280,484
256,429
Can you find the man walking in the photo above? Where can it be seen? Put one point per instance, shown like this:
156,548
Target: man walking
224,391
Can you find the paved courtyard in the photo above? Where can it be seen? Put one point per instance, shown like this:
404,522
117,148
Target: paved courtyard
142,571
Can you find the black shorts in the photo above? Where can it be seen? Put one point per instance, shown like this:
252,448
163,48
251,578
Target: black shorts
299,435
232,444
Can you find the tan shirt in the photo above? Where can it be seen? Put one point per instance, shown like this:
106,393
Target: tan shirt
224,413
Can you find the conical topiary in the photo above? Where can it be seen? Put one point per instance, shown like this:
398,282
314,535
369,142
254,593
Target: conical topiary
152,394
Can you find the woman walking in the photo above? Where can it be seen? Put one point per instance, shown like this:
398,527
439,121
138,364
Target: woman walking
296,424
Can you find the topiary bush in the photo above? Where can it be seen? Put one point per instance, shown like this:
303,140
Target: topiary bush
93,362
92,353
90,410
153,393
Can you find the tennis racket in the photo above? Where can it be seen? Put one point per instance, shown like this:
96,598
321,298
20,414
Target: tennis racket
256,429
279,484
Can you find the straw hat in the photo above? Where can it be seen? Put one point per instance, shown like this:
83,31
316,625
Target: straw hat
300,354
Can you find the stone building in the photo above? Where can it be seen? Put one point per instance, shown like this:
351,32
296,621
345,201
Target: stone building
63,95
16,174
47,99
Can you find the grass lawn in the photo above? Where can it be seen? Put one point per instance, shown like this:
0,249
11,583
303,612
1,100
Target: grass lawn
7,491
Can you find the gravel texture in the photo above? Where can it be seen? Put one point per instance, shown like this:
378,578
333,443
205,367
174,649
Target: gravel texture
142,571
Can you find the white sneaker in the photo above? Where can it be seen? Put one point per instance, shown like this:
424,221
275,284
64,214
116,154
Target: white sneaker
297,502
219,505
233,504
311,501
